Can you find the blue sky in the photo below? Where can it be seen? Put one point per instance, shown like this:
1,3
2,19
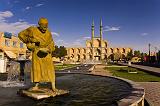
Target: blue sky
126,23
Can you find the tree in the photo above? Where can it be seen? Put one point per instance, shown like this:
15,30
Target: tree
111,57
117,56
60,52
56,51
129,55
137,53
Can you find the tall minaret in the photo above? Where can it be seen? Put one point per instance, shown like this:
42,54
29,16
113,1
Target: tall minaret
92,39
101,29
92,31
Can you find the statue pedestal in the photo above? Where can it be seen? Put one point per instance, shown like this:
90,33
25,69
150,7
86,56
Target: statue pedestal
42,93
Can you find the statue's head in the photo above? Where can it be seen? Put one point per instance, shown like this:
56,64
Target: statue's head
43,24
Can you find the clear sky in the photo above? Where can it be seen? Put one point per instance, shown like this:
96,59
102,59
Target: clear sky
126,23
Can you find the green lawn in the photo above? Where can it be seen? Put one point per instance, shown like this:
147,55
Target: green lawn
64,66
134,75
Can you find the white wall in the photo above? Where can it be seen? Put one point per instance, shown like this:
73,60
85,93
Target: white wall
2,66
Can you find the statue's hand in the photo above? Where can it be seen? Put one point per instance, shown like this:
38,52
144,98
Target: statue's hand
37,43
34,40
30,46
44,50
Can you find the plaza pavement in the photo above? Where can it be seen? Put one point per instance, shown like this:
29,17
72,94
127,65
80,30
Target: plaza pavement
152,92
99,70
152,89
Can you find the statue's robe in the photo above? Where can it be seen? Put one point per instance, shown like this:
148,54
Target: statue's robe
42,64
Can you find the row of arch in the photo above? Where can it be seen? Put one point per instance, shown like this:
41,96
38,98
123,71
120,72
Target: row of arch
114,50
79,57
104,50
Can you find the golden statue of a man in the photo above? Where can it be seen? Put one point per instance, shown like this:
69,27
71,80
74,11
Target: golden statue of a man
39,41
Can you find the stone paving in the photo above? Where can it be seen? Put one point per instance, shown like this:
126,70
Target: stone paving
99,70
152,90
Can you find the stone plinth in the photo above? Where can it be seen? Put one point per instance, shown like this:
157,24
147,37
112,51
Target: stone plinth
42,93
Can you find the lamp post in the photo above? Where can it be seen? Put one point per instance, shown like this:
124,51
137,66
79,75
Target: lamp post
149,52
156,54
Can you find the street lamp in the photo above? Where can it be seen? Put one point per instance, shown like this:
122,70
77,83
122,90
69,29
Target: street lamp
156,54
149,52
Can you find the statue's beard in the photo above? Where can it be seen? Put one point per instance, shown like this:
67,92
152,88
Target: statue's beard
43,31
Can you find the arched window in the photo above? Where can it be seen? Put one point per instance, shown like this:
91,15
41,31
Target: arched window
72,50
84,50
90,56
117,49
84,57
123,50
105,50
105,44
98,52
111,50
78,57
79,51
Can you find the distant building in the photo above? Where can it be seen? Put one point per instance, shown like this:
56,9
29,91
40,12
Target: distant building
96,49
11,46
